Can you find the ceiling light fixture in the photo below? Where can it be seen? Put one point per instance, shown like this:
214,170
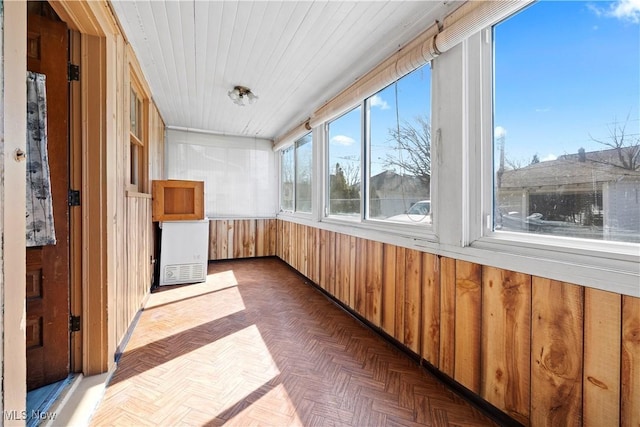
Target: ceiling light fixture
242,96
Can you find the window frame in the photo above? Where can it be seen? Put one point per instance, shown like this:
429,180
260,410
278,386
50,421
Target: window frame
419,232
462,138
604,264
296,163
293,147
393,226
281,169
327,174
138,176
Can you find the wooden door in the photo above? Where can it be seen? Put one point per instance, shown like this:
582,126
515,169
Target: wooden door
47,284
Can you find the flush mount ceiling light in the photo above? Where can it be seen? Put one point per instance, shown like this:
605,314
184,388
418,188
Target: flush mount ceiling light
242,96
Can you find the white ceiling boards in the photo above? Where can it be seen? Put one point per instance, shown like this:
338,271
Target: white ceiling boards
293,55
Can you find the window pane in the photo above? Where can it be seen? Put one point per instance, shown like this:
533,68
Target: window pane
400,150
135,161
134,113
304,165
344,164
566,121
286,180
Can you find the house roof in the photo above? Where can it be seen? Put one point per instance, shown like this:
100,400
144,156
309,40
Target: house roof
571,169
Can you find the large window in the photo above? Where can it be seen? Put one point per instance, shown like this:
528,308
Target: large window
345,148
566,121
296,171
396,179
399,142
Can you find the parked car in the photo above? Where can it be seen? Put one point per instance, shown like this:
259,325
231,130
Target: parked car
419,212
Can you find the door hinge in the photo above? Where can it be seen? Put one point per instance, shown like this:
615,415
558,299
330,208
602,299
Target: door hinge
73,74
74,198
74,323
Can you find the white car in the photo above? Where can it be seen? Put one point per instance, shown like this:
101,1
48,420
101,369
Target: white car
419,213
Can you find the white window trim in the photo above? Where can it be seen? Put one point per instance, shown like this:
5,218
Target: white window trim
420,232
280,194
606,265
281,149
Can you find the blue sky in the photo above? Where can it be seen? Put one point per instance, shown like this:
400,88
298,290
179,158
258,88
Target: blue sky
414,99
565,71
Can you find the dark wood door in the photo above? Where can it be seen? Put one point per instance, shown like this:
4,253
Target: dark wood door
48,266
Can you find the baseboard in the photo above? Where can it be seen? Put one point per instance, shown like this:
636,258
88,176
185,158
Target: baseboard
132,326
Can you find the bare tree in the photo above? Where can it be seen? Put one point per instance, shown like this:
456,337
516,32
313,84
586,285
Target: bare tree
627,146
515,164
351,171
413,149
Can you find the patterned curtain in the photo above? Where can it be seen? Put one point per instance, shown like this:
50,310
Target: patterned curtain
40,228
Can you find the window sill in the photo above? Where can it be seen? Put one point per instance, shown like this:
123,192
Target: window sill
138,195
409,236
609,266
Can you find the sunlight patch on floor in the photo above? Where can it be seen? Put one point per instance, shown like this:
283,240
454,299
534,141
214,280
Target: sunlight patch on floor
238,364
215,282
182,316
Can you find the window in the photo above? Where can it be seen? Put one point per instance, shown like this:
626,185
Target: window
296,172
304,171
345,144
399,141
566,122
286,179
137,135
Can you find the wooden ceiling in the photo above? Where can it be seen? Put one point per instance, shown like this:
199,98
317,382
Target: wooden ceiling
294,55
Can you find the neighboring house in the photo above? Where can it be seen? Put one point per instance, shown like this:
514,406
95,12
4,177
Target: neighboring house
393,194
587,194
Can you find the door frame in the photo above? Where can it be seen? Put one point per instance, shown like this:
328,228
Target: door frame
13,270
94,34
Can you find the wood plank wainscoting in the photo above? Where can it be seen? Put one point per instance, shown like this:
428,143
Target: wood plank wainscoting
242,238
138,245
542,351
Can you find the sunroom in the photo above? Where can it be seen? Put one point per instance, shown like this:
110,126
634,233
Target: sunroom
434,190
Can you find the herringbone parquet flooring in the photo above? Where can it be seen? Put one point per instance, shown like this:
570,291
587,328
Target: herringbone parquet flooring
255,345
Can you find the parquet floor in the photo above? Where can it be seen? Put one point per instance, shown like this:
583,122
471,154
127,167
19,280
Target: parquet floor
255,345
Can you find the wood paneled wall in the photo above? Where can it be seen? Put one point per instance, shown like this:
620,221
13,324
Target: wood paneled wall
547,353
241,238
132,227
138,268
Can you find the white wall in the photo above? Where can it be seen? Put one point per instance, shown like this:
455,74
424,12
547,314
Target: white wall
240,174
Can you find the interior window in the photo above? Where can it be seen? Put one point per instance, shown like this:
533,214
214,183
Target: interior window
566,122
137,153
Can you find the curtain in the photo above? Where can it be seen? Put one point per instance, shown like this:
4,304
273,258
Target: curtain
40,228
